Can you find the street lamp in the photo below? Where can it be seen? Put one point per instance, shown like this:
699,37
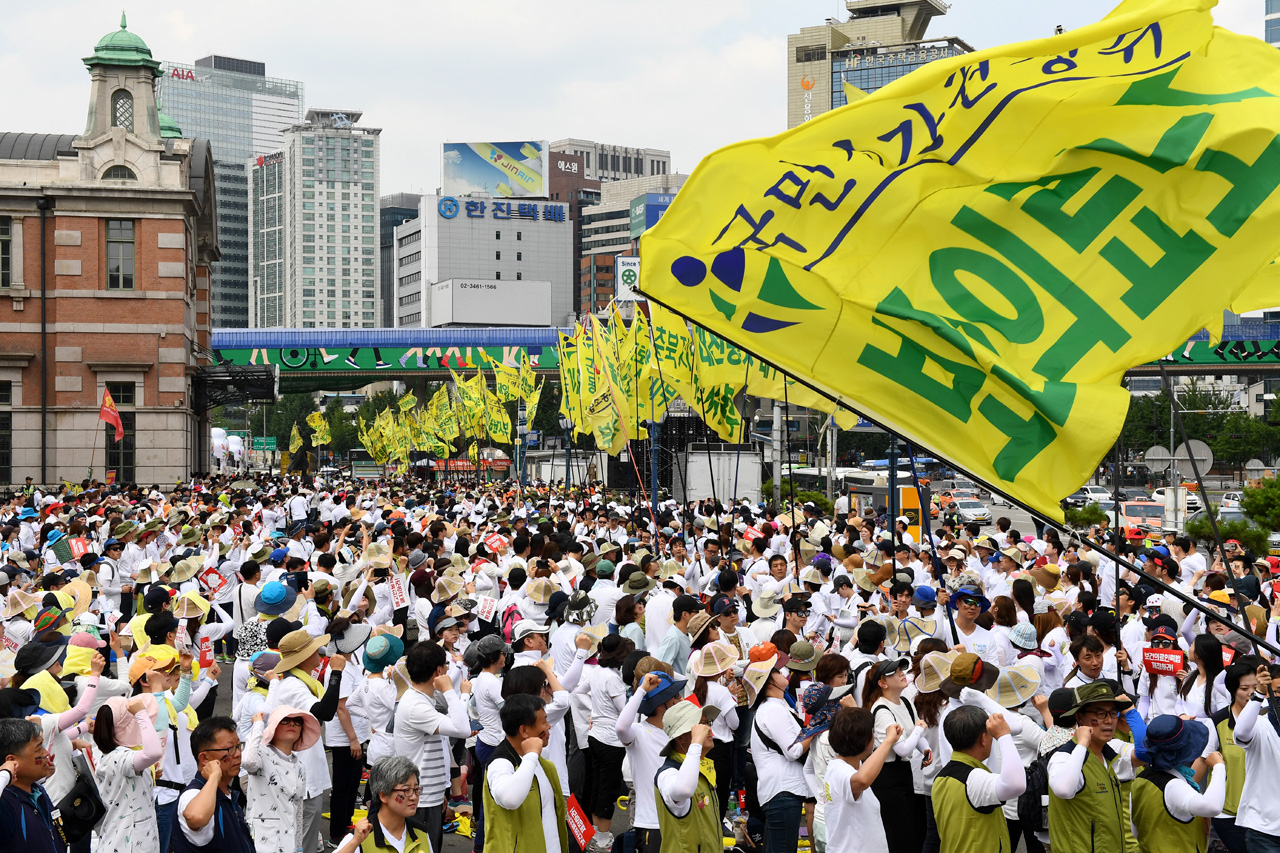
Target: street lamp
565,426
523,429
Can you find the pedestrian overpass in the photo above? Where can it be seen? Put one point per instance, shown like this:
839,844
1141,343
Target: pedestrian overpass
346,359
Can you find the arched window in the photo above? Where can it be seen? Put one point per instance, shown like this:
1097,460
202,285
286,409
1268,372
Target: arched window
119,173
122,110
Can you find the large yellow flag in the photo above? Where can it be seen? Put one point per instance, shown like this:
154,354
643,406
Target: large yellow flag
974,254
570,377
506,382
531,407
295,440
678,366
317,422
528,379
497,421
408,401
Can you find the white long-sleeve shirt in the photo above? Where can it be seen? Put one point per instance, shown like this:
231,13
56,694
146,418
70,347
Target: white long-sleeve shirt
1066,769
677,786
777,771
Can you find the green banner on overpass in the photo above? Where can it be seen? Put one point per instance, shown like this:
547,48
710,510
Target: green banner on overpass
317,368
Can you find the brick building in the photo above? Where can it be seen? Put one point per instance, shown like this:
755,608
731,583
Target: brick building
106,241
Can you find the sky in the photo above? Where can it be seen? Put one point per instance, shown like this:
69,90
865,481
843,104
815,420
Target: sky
684,75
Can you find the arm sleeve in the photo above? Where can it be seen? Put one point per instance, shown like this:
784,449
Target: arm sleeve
152,748
1182,799
202,688
1013,779
1066,773
627,717
678,788
811,775
969,696
509,789
324,709
70,717
730,717
1246,722
182,695
1189,625
251,758
456,723
1138,728
569,681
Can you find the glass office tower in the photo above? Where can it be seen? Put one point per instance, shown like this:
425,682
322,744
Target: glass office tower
241,111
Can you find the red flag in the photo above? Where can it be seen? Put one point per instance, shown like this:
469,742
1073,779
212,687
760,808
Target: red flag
111,414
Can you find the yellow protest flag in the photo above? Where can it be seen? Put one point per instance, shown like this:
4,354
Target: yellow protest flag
497,421
528,379
408,401
473,454
975,254
506,382
295,440
570,377
531,407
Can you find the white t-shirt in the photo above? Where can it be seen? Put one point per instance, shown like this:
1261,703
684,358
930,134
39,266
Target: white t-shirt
394,843
853,823
991,647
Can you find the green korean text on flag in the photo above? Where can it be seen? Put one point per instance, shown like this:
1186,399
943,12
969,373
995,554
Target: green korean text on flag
497,421
607,413
506,382
295,440
691,370
473,454
408,401
528,379
442,414
531,407
570,377
975,254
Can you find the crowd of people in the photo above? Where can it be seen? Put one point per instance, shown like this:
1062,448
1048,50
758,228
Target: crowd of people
520,665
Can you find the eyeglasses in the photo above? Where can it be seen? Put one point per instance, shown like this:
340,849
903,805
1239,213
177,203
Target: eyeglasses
403,794
292,721
230,750
1097,714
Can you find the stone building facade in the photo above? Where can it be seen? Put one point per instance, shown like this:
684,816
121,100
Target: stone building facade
106,242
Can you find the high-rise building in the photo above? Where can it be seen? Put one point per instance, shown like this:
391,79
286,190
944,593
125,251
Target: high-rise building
881,41
393,210
241,111
313,226
1272,23
615,162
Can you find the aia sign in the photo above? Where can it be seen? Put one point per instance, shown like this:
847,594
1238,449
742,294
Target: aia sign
183,74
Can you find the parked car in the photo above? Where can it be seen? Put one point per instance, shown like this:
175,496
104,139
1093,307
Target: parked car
1086,495
973,510
1134,494
1230,499
1223,515
1273,544
1144,515
1194,502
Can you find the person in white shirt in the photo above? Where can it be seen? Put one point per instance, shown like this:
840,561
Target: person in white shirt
393,783
639,729
779,752
968,603
965,790
850,808
521,788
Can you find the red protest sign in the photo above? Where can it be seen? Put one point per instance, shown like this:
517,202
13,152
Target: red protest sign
1228,655
751,534
79,547
582,829
495,542
212,579
206,653
1162,661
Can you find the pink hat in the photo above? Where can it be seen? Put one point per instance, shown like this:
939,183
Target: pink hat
86,640
310,726
127,732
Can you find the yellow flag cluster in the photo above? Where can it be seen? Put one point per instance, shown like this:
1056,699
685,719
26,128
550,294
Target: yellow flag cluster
975,254
398,430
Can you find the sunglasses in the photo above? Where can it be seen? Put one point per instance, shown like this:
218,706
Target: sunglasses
971,602
292,721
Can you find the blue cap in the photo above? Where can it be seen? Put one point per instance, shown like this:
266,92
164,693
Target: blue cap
925,594
274,599
110,543
27,512
667,689
279,555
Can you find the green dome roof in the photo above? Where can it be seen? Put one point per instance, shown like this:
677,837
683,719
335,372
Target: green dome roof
122,47
169,128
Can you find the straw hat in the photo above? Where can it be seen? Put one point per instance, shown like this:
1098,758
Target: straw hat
698,623
447,587
755,676
935,667
767,604
712,660
596,633
83,596
190,605
297,646
892,629
1048,576
912,629
146,573
20,602
539,590
1015,685
186,569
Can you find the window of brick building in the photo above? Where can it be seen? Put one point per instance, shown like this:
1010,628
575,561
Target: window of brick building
120,254
122,455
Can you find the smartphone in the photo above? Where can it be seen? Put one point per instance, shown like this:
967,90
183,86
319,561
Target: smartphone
382,572
298,580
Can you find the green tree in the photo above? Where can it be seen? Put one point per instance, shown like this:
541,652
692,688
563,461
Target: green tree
342,427
1262,505
1253,538
1084,517
290,409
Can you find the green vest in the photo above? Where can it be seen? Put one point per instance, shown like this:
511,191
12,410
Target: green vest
1158,831
1093,820
1232,757
1126,802
417,842
964,827
699,830
502,827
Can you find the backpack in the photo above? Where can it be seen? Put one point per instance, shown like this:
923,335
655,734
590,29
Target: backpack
510,617
1031,810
